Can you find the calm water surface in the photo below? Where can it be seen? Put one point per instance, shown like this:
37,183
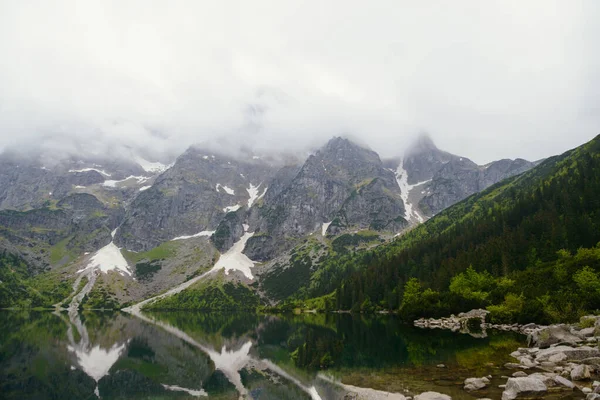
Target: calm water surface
190,355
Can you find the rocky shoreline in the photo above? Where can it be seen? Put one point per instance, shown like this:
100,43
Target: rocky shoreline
562,357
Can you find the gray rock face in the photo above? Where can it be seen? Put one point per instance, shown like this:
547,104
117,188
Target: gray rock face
80,219
342,182
461,177
446,178
423,160
26,183
190,197
229,231
372,206
261,247
520,387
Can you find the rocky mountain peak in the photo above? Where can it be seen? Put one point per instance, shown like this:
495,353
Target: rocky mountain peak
422,144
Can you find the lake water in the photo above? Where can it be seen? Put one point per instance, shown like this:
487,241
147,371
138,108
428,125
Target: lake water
191,355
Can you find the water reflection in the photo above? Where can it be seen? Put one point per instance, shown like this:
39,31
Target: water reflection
229,356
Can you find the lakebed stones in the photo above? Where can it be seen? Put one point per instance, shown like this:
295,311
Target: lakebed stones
472,384
432,396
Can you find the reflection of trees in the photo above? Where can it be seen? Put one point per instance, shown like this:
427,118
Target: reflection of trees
33,360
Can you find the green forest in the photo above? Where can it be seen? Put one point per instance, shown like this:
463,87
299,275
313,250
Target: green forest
526,249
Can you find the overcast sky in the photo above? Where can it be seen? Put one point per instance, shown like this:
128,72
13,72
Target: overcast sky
487,79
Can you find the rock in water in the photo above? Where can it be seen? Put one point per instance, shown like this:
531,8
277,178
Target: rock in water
432,396
476,383
516,387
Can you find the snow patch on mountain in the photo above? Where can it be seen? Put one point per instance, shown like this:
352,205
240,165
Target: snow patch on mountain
234,260
108,258
231,208
253,193
113,183
199,234
145,188
324,228
410,213
227,190
154,167
91,169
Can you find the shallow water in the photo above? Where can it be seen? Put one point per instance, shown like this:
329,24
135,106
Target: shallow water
186,355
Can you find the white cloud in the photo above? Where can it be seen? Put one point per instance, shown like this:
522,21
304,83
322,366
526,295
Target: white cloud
487,80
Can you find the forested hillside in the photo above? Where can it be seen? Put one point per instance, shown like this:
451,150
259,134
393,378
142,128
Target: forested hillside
526,248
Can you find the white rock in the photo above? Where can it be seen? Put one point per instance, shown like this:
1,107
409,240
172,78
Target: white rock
523,386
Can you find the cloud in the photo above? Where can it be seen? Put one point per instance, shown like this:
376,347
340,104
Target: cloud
488,81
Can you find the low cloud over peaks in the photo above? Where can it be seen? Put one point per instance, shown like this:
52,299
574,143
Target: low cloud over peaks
488,81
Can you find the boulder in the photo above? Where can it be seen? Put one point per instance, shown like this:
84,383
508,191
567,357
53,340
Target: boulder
587,332
558,357
552,335
517,387
572,353
476,383
432,396
519,374
564,382
581,373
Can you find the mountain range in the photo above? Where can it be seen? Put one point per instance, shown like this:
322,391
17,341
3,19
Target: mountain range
125,229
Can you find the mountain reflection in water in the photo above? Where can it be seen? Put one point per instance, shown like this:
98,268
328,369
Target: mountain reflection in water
186,355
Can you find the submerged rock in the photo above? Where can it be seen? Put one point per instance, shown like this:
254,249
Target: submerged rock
432,396
476,383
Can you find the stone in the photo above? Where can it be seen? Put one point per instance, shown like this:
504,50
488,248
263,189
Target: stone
514,366
558,357
564,382
526,361
586,390
593,396
516,387
587,332
572,353
553,335
432,396
581,372
476,383
516,354
441,366
519,374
